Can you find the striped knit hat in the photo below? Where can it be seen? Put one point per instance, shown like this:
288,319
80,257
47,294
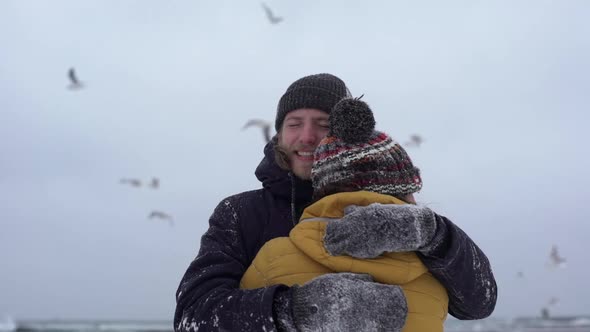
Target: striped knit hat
355,157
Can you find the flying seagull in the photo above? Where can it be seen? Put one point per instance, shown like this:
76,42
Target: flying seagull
75,84
555,259
269,14
132,182
263,125
161,215
155,184
415,141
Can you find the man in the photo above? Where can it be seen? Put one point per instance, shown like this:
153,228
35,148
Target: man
209,298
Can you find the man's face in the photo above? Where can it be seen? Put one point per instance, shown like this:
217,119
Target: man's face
300,134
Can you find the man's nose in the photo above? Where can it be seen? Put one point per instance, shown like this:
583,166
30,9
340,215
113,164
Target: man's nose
309,135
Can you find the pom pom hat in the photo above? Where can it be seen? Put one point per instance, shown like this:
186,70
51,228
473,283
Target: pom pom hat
354,156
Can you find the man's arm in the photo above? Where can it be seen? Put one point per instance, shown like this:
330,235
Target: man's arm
450,255
209,298
463,269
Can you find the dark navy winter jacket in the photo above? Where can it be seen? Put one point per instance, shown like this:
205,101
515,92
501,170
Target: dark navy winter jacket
209,298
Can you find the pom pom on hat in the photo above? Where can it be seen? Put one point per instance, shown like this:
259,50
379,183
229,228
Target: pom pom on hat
352,121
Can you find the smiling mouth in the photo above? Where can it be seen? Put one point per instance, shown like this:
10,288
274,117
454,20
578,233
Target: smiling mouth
306,156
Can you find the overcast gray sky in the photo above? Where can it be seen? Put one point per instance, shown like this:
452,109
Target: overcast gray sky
498,90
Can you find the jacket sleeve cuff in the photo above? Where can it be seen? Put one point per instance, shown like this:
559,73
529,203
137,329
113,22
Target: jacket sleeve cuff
282,310
440,243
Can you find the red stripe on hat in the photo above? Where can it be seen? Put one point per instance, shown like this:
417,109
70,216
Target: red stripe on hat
329,140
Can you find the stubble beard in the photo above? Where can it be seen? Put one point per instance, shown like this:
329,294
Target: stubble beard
284,158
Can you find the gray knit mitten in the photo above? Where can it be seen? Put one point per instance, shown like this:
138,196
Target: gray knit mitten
369,231
348,302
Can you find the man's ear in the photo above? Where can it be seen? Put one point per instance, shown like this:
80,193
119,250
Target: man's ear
409,198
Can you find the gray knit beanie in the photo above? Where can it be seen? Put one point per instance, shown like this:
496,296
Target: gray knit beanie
319,91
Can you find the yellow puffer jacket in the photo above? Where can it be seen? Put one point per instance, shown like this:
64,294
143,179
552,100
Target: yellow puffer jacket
301,257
